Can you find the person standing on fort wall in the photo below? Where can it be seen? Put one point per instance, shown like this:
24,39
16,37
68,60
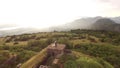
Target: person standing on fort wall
55,44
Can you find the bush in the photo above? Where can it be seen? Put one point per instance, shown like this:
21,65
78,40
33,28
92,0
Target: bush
109,53
104,63
85,62
70,64
16,43
24,55
36,45
66,42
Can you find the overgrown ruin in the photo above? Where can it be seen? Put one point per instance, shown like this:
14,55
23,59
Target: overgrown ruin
55,50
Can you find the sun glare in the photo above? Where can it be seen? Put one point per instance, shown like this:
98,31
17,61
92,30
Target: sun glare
47,13
55,13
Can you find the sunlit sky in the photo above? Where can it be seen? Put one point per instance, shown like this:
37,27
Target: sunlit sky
46,13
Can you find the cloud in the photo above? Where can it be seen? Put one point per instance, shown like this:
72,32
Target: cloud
2,26
46,13
115,3
109,8
104,0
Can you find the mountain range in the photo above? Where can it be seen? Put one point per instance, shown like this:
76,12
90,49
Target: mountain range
93,23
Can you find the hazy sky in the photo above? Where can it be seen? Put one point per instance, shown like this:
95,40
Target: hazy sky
46,13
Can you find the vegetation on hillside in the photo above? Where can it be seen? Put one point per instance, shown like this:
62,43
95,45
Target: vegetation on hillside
98,49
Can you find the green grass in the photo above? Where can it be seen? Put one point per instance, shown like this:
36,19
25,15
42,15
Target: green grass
32,63
82,41
86,61
70,64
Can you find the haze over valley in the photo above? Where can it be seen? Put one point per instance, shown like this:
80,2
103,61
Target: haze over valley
39,15
90,23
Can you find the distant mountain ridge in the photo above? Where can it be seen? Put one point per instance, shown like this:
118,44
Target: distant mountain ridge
116,19
82,23
106,24
94,23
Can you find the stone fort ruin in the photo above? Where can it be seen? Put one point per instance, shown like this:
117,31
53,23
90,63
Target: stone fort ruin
55,50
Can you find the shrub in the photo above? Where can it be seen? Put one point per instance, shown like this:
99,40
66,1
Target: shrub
85,62
70,64
109,53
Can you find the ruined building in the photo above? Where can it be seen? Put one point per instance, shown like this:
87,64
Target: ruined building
56,49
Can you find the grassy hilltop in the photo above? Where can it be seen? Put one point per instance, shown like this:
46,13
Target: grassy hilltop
90,49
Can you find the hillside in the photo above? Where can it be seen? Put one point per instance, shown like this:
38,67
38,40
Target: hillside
32,63
97,23
102,48
106,24
83,23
